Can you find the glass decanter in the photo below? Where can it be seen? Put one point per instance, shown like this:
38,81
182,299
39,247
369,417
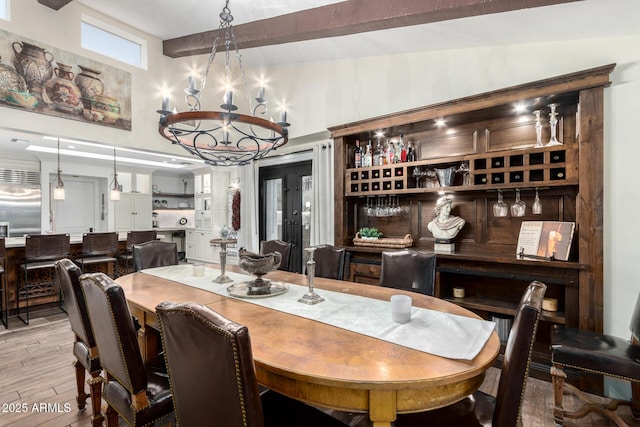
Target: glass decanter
537,206
518,207
500,207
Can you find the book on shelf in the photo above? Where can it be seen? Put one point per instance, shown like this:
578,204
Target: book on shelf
545,239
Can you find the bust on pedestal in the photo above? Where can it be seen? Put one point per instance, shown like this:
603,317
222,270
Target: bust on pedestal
445,226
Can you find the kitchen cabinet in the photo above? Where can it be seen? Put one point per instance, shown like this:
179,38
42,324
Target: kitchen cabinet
134,182
202,182
198,247
211,203
133,212
490,147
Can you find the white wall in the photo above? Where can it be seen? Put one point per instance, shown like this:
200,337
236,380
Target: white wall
320,95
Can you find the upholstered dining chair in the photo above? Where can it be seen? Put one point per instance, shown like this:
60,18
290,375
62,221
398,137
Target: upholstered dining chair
99,249
41,252
135,237
270,246
4,309
84,347
329,261
597,354
136,391
503,410
154,253
408,269
220,383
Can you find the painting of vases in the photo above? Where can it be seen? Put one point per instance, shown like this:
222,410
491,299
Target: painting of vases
43,79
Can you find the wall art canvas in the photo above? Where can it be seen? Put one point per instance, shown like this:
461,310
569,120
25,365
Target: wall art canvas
40,78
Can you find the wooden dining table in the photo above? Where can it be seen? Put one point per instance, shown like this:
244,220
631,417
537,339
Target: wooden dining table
326,365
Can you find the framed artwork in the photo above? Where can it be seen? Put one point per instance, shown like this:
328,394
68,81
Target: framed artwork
43,79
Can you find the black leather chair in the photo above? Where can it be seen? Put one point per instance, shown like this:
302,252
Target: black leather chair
329,261
136,391
408,269
504,410
212,374
135,238
154,253
98,249
84,347
270,246
596,354
4,309
41,252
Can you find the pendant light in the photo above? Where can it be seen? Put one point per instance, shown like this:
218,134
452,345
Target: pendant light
115,190
58,192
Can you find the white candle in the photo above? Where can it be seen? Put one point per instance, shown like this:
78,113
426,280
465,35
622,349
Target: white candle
165,103
283,117
228,97
261,93
192,84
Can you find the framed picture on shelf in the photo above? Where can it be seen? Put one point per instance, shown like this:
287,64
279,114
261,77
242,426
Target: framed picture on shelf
545,239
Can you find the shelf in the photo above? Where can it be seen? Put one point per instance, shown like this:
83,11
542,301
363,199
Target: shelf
178,195
494,305
519,168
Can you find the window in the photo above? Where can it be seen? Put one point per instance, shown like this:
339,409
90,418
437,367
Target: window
4,9
113,42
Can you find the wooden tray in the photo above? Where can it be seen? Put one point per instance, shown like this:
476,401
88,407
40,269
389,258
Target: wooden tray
384,242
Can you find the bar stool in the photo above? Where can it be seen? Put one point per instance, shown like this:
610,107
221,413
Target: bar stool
41,252
134,238
4,306
98,249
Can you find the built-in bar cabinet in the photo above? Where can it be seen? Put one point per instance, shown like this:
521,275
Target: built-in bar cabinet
490,142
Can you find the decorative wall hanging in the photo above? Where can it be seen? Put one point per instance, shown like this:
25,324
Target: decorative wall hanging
43,79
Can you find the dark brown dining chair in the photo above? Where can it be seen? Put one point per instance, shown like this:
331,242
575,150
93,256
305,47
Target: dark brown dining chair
99,249
135,237
154,253
136,391
220,383
329,261
503,410
596,354
84,347
410,270
4,305
270,246
41,252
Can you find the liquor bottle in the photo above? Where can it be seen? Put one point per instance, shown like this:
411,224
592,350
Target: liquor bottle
357,155
391,152
403,150
367,159
411,155
378,155
396,154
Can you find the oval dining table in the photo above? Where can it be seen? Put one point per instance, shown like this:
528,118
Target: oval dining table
326,365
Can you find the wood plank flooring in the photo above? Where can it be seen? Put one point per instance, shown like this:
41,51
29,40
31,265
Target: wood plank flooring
37,381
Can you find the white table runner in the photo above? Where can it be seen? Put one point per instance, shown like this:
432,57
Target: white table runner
434,332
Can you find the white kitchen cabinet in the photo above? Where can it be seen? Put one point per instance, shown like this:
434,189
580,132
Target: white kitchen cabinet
202,182
198,247
133,182
133,212
211,200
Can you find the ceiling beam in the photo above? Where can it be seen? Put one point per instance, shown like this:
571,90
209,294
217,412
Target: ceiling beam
344,18
55,4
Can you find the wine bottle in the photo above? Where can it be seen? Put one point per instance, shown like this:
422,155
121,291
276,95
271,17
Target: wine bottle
367,159
357,155
403,150
411,155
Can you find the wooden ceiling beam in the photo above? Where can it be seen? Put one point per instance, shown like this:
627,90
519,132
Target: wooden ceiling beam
55,4
344,18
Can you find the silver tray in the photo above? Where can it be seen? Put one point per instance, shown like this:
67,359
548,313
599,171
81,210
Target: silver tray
241,290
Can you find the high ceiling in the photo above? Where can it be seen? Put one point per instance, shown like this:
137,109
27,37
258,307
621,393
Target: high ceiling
294,31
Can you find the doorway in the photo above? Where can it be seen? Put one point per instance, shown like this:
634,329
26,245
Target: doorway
285,207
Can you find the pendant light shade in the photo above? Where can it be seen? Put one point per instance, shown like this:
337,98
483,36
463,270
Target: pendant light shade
58,192
115,189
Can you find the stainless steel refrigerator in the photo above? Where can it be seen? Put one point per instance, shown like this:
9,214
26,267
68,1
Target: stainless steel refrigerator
20,201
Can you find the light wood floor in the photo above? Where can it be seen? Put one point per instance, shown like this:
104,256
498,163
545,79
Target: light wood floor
37,382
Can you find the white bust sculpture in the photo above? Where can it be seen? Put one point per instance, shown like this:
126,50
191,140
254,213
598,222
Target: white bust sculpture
445,226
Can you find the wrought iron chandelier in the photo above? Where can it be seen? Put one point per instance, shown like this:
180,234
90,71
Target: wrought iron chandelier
224,138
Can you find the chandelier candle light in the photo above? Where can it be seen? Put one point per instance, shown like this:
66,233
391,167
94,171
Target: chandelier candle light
224,137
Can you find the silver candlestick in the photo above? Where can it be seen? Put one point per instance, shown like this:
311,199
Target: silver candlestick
311,297
222,278
538,129
553,121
